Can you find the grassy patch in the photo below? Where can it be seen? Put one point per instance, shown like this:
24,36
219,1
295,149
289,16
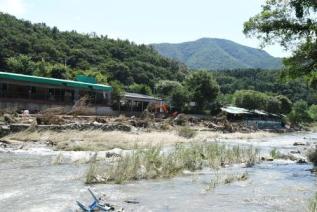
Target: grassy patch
58,159
313,204
226,179
187,132
275,154
96,140
152,163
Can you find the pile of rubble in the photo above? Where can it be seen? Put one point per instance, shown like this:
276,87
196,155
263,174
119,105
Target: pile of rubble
53,119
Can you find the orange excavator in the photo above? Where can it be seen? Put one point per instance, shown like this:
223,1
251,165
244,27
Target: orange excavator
156,107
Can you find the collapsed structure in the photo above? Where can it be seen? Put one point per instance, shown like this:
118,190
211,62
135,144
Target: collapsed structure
253,118
135,102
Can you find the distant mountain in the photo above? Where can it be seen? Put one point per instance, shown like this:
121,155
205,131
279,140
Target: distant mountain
218,54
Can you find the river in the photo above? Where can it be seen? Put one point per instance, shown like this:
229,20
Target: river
30,182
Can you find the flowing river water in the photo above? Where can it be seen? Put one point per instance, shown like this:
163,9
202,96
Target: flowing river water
30,182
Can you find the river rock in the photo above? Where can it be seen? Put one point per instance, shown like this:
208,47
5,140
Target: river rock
267,159
299,144
112,154
116,151
295,152
301,161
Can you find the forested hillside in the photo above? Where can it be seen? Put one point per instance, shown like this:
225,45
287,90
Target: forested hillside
218,54
38,49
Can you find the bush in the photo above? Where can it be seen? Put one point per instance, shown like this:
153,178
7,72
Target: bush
187,132
181,119
313,204
21,64
312,157
275,154
273,105
250,99
140,88
257,100
313,112
165,88
299,113
286,104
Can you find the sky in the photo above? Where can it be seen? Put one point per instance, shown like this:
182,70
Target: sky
146,21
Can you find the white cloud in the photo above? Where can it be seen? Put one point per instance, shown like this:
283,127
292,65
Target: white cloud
13,7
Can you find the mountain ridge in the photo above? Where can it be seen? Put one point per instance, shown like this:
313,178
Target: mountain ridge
218,54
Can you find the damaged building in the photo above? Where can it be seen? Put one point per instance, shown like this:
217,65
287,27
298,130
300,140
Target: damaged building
33,93
135,102
253,118
24,92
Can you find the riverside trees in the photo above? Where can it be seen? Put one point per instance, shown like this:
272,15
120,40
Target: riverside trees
293,25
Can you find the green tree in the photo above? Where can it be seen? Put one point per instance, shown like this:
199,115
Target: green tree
21,64
288,23
179,98
273,105
250,99
118,71
313,112
117,92
140,88
59,71
286,104
165,88
202,87
299,113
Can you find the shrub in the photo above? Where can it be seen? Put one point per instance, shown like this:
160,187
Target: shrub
250,99
273,105
181,119
275,153
313,112
187,132
286,104
166,87
313,204
312,157
140,88
299,113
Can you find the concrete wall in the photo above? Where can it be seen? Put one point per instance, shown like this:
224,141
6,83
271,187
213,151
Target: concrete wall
11,106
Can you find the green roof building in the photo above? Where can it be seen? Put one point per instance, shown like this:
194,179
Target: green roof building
25,90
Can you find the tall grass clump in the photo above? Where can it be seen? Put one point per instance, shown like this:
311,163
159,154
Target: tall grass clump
187,132
152,163
275,154
92,171
313,204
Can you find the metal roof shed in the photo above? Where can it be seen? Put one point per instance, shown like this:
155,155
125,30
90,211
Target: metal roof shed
235,110
140,97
